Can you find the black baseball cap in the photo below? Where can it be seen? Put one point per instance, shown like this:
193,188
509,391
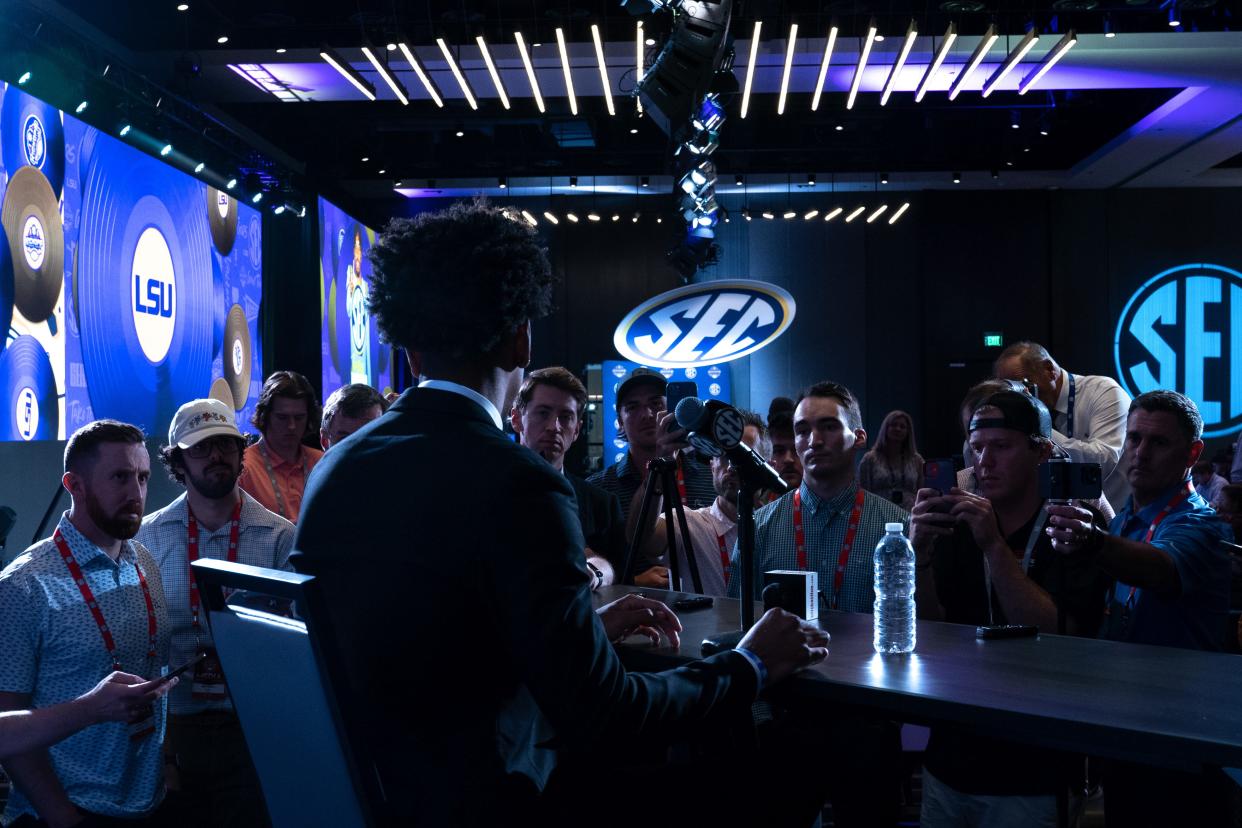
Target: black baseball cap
1018,411
637,377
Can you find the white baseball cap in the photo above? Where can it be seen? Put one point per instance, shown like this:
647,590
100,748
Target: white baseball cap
199,419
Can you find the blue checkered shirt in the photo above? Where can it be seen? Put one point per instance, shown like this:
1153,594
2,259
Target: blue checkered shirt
824,523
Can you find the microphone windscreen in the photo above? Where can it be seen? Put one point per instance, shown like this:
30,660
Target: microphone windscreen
688,412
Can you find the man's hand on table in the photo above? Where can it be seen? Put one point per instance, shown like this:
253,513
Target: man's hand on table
636,615
785,643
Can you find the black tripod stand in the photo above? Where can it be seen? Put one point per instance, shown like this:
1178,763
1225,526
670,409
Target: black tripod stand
664,470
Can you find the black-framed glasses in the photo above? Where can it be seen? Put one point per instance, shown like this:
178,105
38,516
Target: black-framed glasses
226,446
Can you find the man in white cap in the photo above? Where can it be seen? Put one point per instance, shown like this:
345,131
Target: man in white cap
211,778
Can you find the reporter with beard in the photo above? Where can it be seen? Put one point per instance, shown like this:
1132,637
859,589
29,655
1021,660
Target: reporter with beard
210,777
74,608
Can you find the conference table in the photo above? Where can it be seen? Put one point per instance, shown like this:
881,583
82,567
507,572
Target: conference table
1158,705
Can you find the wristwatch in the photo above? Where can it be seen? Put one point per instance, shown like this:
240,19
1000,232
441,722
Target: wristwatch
599,575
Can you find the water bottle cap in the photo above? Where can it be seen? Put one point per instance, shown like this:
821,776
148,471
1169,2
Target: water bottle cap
894,527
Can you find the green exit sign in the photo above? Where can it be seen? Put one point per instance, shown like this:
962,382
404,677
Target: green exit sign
993,340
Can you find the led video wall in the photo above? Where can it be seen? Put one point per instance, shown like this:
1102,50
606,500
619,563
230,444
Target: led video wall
712,381
127,287
352,350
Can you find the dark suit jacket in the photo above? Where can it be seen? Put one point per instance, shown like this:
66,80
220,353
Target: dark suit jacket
599,512
451,560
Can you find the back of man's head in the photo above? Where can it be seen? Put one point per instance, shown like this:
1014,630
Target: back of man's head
763,445
1030,355
562,379
844,396
290,385
353,400
454,283
82,448
1183,409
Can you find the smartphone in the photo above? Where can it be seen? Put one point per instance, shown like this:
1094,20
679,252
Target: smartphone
1063,480
171,674
940,475
1006,631
675,393
689,604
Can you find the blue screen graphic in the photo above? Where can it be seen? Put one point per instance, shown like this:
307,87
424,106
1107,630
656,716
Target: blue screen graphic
713,381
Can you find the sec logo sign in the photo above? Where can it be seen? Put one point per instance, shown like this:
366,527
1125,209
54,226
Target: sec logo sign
1182,330
706,323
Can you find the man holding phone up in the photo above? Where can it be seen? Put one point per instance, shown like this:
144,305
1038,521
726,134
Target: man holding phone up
985,559
210,776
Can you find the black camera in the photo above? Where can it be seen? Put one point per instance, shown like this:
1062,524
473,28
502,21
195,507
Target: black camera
1063,480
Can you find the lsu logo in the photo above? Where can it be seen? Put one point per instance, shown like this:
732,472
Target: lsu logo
34,243
27,413
34,142
153,295
222,204
705,323
1182,330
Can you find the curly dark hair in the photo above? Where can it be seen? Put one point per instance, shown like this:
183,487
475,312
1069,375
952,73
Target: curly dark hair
174,464
454,283
294,386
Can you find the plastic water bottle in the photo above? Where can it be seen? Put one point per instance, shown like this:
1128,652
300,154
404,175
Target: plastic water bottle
894,592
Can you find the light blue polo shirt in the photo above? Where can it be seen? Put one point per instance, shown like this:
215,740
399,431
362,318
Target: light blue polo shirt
51,648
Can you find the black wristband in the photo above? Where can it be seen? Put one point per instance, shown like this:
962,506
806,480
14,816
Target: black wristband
599,575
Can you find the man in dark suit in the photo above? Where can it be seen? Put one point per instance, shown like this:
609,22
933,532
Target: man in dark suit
455,582
547,418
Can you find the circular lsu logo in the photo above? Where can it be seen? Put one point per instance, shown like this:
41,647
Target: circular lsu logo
27,411
34,243
1182,330
222,204
705,323
34,142
153,292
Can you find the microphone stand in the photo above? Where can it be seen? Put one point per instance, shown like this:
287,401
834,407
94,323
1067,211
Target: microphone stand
665,469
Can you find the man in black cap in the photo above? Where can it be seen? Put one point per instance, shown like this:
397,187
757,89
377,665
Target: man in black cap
985,559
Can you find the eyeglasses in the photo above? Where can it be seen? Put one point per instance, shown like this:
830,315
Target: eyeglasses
227,446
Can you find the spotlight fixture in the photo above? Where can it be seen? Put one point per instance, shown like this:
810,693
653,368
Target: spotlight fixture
810,180
125,130
875,214
461,133
1108,27
898,213
232,183
912,32
633,130
807,216
700,180
858,211
789,52
1067,42
883,178
530,70
750,68
1174,19
551,217
616,216
529,218
166,149
389,78
823,66
80,108
767,214
222,39
278,209
398,184
502,183
183,7
634,218
256,198
365,159
862,64
569,78
281,51
573,182
456,70
645,181
199,167
788,214
421,73
392,47
572,217
348,72
833,213
382,172
996,175
957,178
839,127
738,181
746,215
1015,121
25,76
603,69
1015,56
592,216
638,62
981,51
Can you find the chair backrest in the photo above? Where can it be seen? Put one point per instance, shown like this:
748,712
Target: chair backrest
279,671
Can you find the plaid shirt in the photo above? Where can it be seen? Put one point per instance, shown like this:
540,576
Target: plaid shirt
624,480
265,539
824,523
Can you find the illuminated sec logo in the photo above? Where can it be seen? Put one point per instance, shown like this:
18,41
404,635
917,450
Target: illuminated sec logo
34,142
1182,330
27,411
34,243
705,323
222,204
153,293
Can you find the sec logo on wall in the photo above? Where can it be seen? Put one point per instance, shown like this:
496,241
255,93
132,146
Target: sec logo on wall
1183,330
705,324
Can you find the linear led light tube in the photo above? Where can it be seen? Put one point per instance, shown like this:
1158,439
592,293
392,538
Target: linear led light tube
750,67
855,214
603,69
338,63
911,33
639,46
530,70
899,213
529,218
789,53
551,217
461,79
569,78
981,51
946,43
833,213
491,70
862,64
1054,54
389,78
879,211
823,67
1014,58
421,73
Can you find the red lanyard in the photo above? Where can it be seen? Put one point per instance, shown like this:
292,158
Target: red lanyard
192,549
724,557
681,481
1177,500
88,596
800,540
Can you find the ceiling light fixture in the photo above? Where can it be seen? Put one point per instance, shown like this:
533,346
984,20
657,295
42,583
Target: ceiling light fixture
789,53
348,72
862,64
1174,20
592,216
572,217
281,51
833,213
883,178
530,70
389,78
491,70
222,39
810,215
858,211
1067,42
603,69
569,78
638,62
750,68
256,198
823,66
957,178
125,130
551,217
767,214
456,70
232,182
1108,27
879,211
946,43
423,77
810,180
981,51
199,167
898,213
166,150
183,7
1015,56
502,183
788,214
645,181
529,218
912,32
80,108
